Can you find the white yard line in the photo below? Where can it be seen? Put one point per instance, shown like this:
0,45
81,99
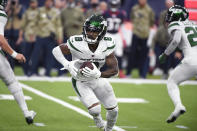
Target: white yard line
182,127
113,80
120,100
11,97
61,102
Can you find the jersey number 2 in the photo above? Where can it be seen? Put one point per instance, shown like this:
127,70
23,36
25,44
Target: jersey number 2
192,35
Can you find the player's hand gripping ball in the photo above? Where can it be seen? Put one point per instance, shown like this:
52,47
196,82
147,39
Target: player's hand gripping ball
86,64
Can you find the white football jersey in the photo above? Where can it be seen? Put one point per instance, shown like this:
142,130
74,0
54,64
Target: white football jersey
80,50
3,21
188,42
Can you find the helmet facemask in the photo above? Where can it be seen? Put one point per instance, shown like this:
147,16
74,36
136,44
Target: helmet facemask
94,29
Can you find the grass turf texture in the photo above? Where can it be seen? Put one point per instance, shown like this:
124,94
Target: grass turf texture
147,117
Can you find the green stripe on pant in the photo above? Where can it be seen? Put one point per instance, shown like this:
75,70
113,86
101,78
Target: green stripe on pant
75,86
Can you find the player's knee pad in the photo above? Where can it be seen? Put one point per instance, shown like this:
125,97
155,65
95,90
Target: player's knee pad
95,111
112,114
14,87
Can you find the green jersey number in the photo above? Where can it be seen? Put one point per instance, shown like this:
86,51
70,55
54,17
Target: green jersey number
191,36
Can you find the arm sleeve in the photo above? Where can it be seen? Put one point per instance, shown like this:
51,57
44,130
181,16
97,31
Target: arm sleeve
24,21
60,57
152,18
132,14
174,42
59,29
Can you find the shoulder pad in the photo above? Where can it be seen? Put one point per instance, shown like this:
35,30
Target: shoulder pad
110,44
173,26
72,43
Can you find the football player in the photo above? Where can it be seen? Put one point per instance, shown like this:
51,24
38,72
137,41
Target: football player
92,87
184,36
115,18
6,73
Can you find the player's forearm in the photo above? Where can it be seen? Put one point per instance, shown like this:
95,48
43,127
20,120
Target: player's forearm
174,42
109,73
6,47
21,33
60,57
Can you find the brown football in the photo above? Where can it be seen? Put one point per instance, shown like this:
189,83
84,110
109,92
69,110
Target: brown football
87,64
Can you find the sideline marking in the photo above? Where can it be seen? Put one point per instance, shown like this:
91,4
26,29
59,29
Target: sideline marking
61,102
182,127
120,100
11,97
113,80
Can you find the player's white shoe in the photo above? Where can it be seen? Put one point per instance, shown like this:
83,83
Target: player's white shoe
30,117
179,110
99,123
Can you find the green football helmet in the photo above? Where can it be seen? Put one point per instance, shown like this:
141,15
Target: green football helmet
97,24
176,13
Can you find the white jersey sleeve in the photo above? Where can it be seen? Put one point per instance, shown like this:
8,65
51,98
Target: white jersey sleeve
175,32
3,21
174,42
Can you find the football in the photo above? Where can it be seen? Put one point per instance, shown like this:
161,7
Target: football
87,64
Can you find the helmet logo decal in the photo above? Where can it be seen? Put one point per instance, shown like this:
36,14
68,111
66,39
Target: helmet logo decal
95,23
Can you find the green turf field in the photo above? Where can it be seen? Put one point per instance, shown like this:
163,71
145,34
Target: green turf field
132,117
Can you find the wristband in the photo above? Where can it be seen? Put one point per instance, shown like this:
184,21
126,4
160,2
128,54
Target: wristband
14,54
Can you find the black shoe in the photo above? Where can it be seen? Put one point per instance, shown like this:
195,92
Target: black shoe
30,118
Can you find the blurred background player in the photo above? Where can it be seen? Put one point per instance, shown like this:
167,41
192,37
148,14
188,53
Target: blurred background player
102,6
159,44
14,11
183,34
91,86
28,29
6,73
94,8
49,33
142,17
71,24
115,18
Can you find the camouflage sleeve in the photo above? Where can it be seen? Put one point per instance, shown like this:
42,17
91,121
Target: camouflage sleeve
152,18
24,21
37,18
132,14
81,19
59,28
162,17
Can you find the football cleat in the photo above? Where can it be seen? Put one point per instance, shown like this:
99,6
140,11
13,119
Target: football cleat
99,123
177,112
30,117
